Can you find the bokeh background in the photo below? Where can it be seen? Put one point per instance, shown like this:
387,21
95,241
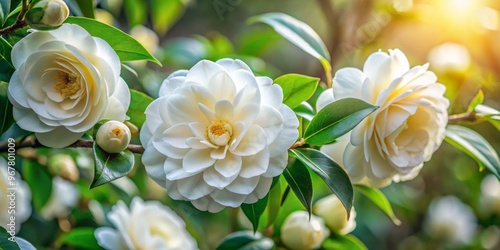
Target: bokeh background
460,39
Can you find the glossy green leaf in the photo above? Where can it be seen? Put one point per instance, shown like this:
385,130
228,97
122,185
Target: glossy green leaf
5,243
136,11
81,238
274,203
474,145
74,7
6,67
39,181
164,13
138,104
6,118
300,34
478,99
109,167
330,172
298,178
245,240
342,242
254,211
4,10
87,7
305,110
379,199
336,119
296,88
127,48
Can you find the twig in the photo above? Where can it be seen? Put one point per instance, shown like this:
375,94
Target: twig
463,117
20,23
31,142
299,143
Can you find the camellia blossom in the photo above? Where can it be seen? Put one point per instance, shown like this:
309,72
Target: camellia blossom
299,231
146,225
20,198
217,135
65,82
63,199
408,127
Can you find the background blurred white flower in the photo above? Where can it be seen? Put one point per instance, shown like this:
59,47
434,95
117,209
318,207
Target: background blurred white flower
450,219
449,57
146,225
334,214
63,199
22,198
406,129
490,195
217,135
298,232
65,82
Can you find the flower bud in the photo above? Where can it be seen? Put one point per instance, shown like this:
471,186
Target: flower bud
333,212
298,232
113,137
47,14
64,166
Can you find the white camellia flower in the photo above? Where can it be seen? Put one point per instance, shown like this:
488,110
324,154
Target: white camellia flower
113,136
63,198
147,225
450,219
408,127
65,82
334,214
47,14
490,195
298,232
14,202
217,135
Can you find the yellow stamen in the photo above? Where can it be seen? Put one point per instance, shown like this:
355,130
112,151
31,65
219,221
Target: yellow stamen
67,84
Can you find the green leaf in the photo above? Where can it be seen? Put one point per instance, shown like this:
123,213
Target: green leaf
6,118
474,145
490,114
298,178
379,199
4,10
24,244
274,203
5,243
87,7
127,48
164,13
39,181
332,174
245,240
341,242
305,110
136,11
81,238
296,88
300,34
336,119
138,104
254,211
478,99
6,67
109,167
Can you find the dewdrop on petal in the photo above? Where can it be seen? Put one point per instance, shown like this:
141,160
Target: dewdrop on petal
113,137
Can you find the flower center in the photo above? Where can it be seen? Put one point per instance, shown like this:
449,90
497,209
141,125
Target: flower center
118,132
67,84
219,132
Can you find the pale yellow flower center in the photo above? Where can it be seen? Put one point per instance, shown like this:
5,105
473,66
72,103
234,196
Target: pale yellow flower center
66,84
219,132
118,132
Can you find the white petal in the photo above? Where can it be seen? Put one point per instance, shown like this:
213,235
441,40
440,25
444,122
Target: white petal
227,198
243,186
28,120
347,83
203,71
177,135
108,238
271,121
194,187
172,82
118,102
16,93
253,142
197,160
216,180
325,98
289,133
58,138
232,65
222,86
229,166
255,165
224,110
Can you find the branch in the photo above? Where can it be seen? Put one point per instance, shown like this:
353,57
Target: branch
20,23
31,142
463,117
